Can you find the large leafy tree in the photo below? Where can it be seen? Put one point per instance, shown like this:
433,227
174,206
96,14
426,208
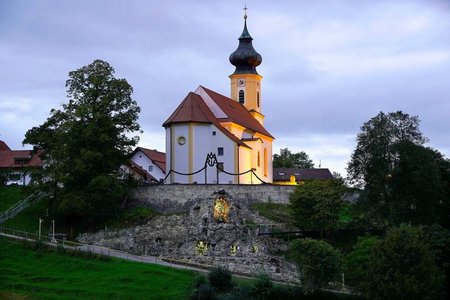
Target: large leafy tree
401,266
373,160
316,204
87,141
288,159
416,188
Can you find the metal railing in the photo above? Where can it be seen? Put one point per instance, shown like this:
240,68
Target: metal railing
21,205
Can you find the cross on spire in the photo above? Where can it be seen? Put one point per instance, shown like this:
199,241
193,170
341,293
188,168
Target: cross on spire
245,11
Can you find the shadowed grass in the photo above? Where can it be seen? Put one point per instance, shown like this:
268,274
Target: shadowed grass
45,274
10,195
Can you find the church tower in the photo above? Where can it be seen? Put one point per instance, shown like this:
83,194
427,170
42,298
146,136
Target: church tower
245,81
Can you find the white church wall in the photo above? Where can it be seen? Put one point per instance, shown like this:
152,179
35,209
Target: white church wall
180,152
207,139
168,156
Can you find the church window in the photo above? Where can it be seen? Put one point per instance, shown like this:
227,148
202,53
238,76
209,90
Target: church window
220,151
241,96
265,162
213,133
258,159
150,168
220,166
257,98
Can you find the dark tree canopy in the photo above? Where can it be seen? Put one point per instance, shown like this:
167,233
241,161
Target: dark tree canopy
401,266
88,140
287,159
316,204
372,159
416,189
403,181
318,263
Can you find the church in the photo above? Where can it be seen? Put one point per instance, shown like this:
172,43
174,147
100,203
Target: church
211,138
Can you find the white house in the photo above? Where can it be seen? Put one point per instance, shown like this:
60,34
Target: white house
232,129
151,161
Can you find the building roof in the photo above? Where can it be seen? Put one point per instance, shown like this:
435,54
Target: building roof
245,58
284,174
4,146
159,158
236,112
194,109
20,159
139,170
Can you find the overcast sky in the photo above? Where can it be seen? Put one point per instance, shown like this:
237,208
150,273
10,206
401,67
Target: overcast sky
328,66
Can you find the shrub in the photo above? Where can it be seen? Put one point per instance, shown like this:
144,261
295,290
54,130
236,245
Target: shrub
318,263
401,266
220,279
356,262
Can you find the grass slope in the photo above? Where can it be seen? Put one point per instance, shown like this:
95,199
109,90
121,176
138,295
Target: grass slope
44,274
10,195
28,219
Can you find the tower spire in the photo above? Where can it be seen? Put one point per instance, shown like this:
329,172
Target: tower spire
245,58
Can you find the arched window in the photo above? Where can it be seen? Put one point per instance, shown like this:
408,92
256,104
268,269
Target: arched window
241,96
265,162
257,98
258,159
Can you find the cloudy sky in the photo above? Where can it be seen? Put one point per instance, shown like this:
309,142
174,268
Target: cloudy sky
328,66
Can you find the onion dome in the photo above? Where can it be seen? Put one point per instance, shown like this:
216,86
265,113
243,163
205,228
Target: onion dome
245,58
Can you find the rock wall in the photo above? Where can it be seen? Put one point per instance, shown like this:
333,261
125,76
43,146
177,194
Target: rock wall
215,230
180,197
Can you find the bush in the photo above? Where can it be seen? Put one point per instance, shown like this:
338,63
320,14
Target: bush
356,262
318,263
262,287
401,266
220,279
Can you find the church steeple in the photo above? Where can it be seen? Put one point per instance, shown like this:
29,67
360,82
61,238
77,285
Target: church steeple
245,81
245,58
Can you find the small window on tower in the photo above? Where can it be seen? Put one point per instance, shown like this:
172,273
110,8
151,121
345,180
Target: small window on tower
241,96
213,133
220,151
257,98
150,168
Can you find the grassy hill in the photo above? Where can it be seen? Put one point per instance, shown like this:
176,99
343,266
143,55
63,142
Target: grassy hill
10,195
44,274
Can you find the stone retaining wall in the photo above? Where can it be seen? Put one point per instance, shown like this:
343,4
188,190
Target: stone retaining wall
179,197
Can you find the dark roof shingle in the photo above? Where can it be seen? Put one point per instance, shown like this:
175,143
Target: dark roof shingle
284,174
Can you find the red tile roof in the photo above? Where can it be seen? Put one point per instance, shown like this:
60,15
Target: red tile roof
4,146
194,109
11,158
284,174
159,158
237,112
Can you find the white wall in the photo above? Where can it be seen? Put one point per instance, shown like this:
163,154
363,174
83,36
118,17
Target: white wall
142,160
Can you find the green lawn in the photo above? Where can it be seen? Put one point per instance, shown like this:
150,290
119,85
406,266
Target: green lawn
45,274
10,195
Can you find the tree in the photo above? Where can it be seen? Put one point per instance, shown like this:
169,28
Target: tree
416,189
287,159
318,263
401,266
372,161
87,141
316,204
